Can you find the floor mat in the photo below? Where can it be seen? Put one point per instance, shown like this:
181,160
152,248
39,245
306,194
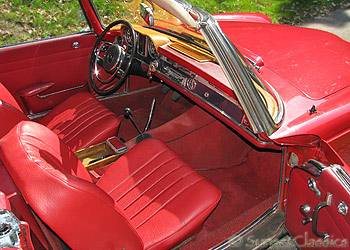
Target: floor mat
238,207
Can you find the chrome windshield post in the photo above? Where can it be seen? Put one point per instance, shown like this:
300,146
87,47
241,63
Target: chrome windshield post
230,60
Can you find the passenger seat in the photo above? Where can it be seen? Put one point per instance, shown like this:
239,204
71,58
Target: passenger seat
80,121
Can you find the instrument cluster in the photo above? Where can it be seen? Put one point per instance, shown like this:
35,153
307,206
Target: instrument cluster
145,46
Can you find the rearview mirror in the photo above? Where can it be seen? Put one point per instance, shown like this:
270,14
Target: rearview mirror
147,14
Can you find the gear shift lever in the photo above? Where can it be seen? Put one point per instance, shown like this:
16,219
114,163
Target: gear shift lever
128,115
142,136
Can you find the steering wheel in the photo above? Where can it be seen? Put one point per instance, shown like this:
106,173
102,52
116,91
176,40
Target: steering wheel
114,58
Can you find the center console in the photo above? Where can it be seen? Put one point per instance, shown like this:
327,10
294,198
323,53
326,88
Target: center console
101,154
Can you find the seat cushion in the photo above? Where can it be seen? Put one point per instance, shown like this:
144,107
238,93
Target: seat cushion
57,187
165,200
81,121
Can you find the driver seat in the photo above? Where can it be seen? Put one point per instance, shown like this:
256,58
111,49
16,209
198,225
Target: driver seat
148,199
80,121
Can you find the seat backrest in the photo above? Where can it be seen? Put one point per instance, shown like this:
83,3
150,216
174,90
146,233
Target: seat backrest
10,111
10,117
58,188
6,96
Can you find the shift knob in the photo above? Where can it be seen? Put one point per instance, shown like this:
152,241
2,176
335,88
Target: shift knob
127,113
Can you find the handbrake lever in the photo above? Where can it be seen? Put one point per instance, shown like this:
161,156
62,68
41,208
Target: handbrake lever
148,124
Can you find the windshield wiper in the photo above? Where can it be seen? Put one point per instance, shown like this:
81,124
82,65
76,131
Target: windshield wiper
182,37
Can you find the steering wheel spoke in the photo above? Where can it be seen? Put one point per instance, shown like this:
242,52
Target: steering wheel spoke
100,61
114,59
120,73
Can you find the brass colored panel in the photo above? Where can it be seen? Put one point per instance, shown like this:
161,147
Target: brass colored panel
101,154
156,37
193,52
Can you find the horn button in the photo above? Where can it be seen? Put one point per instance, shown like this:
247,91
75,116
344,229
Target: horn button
113,58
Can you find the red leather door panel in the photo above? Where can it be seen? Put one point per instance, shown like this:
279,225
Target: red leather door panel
41,74
332,183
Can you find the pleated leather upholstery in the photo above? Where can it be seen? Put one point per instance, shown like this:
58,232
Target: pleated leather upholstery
165,199
148,199
81,121
58,188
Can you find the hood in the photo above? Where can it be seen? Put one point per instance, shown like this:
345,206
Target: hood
315,62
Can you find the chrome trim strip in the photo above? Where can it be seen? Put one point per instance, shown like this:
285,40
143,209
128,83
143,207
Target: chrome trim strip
342,176
37,115
125,92
181,75
43,40
61,91
281,185
238,237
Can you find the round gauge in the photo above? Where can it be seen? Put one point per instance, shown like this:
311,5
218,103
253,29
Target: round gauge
127,36
152,51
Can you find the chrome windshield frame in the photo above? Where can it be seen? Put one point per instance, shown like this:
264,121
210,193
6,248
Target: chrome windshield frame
229,59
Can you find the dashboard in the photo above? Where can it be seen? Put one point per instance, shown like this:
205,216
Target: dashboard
190,83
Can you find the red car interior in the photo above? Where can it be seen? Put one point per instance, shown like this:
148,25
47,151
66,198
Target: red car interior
247,176
80,121
42,74
203,175
148,199
329,219
212,150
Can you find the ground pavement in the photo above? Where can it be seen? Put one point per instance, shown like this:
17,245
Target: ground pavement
337,22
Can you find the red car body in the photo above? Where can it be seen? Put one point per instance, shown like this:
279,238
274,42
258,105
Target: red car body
309,69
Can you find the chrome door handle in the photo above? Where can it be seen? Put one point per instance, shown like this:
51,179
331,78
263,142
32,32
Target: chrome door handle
313,187
75,45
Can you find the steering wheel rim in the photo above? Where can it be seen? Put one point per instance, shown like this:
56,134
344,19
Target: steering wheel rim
116,61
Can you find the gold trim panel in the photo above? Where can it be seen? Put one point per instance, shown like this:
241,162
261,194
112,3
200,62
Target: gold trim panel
193,52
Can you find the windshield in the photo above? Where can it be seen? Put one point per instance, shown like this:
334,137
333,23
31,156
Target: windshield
113,10
200,30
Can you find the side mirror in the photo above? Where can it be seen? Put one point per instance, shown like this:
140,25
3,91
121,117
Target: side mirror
147,14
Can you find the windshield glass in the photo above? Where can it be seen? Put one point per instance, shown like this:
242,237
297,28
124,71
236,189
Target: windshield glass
113,10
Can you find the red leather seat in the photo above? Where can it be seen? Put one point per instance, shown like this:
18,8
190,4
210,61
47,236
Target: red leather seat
148,199
80,121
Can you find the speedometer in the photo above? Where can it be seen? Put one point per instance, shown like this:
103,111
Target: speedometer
152,51
127,36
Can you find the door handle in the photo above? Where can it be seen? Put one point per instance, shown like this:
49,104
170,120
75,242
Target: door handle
313,187
326,203
75,45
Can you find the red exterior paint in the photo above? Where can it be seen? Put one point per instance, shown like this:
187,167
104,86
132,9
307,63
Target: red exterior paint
243,17
304,57
306,67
